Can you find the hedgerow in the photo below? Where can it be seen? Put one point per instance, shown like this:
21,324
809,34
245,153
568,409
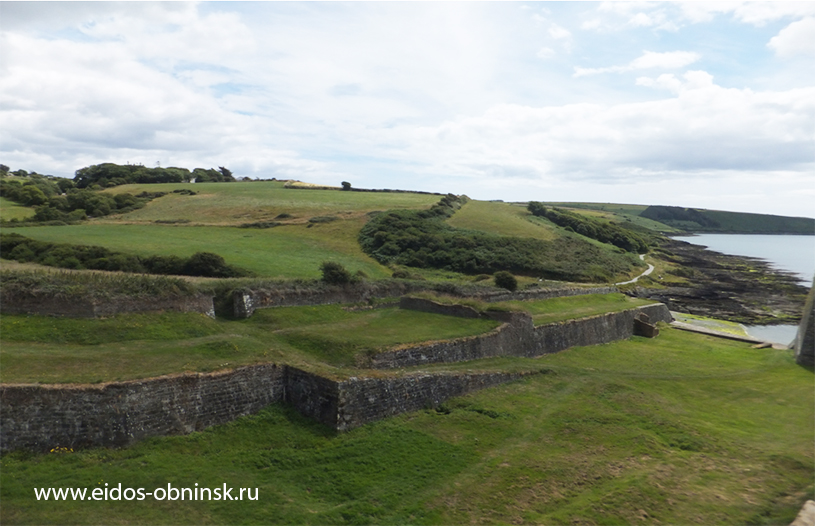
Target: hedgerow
62,255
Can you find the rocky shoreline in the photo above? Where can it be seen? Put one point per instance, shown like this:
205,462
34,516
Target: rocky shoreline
734,288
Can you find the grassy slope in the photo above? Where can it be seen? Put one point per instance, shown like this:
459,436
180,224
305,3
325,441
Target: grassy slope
294,250
559,309
736,222
500,218
236,203
759,223
11,210
619,213
57,350
129,346
684,429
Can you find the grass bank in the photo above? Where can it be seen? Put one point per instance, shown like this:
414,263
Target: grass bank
130,346
683,429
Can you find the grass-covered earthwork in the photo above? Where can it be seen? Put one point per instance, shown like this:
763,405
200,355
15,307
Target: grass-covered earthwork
683,429
128,346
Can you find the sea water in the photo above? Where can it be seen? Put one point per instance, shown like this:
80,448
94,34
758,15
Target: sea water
792,253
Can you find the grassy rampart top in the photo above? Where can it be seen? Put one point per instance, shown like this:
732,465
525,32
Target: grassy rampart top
330,337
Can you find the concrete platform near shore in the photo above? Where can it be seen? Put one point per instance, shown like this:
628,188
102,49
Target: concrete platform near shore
719,334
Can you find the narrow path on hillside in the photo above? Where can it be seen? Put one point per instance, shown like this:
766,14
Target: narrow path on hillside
650,269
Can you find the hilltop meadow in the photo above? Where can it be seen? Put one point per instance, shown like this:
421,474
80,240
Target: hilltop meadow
680,429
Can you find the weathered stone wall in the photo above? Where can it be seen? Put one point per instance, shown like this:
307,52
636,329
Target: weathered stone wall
86,307
605,328
518,337
41,417
312,395
363,400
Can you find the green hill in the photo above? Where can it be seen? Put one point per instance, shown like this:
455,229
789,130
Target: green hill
674,219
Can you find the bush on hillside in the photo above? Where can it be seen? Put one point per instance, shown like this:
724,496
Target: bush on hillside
334,273
505,280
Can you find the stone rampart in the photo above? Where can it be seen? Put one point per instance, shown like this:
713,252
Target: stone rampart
363,400
518,337
41,417
594,330
88,307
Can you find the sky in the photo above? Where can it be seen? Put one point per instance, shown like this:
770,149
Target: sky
694,104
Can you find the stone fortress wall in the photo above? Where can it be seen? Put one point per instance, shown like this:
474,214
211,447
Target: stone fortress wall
41,417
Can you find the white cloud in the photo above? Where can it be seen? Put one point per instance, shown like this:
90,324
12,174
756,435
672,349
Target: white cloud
705,132
798,38
546,52
559,33
648,60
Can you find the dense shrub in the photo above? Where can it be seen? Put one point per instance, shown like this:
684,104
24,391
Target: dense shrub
17,247
334,273
602,231
505,280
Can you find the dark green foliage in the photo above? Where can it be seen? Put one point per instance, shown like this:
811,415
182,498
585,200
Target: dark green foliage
334,273
260,224
505,280
208,264
731,222
44,193
346,185
602,231
677,215
323,219
23,249
421,238
110,174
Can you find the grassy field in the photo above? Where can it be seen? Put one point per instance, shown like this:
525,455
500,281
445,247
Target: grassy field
502,219
683,429
11,210
62,350
559,309
236,203
294,251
